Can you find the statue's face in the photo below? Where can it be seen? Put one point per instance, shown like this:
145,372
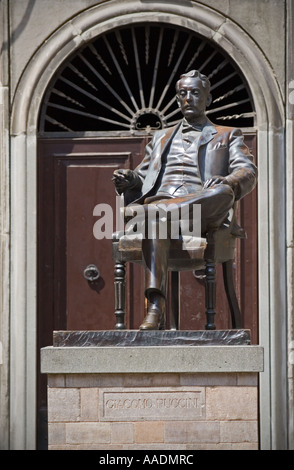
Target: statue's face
192,98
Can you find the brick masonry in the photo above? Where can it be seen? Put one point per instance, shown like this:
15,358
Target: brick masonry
153,411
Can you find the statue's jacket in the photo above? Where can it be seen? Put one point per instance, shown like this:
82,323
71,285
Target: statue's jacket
221,152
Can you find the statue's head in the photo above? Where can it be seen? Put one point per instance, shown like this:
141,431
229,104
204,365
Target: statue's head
193,94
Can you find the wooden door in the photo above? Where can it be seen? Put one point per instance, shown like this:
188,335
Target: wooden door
74,184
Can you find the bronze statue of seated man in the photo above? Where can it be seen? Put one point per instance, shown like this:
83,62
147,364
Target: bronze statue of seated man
194,162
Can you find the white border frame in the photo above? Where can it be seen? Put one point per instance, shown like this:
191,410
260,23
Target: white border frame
271,199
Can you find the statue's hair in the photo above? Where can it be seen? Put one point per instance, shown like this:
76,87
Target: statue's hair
195,73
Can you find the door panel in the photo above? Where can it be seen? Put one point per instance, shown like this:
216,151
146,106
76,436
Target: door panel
87,183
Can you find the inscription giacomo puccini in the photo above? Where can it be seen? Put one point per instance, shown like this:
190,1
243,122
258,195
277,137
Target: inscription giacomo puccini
131,405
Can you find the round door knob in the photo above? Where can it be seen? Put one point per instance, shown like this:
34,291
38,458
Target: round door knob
91,272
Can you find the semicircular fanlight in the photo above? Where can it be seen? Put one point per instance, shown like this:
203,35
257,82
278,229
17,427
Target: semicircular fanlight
125,81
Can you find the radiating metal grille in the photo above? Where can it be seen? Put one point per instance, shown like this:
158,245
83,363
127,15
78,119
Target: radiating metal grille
125,81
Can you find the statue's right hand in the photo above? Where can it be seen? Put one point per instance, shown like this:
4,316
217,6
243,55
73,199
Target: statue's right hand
123,179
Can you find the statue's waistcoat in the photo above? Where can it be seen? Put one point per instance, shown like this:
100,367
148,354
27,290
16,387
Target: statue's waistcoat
179,172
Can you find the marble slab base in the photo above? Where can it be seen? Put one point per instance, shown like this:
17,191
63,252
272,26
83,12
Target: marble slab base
125,338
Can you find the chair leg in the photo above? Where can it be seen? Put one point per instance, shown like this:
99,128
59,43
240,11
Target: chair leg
210,293
231,294
119,291
174,321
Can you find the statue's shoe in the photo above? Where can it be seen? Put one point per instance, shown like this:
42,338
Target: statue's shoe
154,320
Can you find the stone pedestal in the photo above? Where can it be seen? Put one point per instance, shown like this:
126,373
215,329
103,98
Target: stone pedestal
199,394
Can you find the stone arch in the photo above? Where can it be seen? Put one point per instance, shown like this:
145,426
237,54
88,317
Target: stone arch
101,18
25,110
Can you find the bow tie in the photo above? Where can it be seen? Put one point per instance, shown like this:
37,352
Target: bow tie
186,127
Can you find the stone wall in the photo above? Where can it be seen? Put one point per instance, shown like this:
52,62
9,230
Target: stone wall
153,411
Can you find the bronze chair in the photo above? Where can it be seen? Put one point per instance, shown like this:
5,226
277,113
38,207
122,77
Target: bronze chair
199,253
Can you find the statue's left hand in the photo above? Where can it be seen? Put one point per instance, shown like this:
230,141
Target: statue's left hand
214,181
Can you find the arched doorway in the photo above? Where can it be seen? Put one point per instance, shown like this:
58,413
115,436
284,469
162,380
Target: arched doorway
33,84
98,113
